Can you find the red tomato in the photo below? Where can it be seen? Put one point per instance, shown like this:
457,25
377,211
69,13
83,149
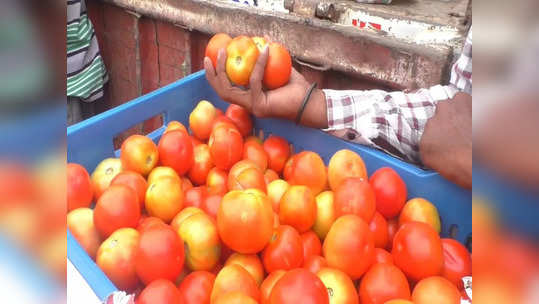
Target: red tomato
226,146
242,54
176,151
196,287
79,187
278,151
378,226
284,251
160,255
246,174
417,251
254,151
175,125
270,175
217,42
278,67
160,291
299,286
437,290
311,244
392,227
267,286
297,208
139,154
118,207
148,223
211,205
134,181
250,262
382,256
241,118
195,197
307,168
314,263
383,282
390,191
355,196
202,164
457,262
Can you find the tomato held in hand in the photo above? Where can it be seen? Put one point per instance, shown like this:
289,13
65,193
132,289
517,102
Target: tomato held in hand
196,287
340,287
79,187
299,286
284,251
217,42
139,154
390,191
160,291
383,282
117,207
278,67
242,54
241,118
457,262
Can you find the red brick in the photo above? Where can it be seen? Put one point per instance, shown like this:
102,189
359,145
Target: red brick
168,74
117,18
172,36
123,62
122,91
148,86
126,39
94,10
147,31
170,56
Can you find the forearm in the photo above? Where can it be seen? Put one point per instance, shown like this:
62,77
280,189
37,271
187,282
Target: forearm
314,115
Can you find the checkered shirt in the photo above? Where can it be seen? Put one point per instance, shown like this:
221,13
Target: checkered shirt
394,121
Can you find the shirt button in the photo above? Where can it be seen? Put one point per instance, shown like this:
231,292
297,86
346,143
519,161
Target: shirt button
351,135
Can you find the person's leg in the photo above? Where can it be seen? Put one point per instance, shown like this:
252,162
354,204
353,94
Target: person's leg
74,111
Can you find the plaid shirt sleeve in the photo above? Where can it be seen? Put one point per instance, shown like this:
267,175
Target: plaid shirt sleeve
394,121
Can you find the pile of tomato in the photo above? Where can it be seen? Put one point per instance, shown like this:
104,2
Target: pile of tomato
219,216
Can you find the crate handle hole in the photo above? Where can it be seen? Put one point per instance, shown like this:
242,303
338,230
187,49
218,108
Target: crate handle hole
453,231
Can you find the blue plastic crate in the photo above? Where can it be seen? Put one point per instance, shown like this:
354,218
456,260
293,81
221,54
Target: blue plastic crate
91,141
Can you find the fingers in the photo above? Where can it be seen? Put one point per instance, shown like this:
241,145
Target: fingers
210,71
255,81
221,61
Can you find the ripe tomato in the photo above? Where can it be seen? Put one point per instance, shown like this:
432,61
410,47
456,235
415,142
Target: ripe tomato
164,198
437,290
383,282
211,205
246,174
399,301
80,223
201,119
457,262
267,285
117,207
241,118
245,220
392,227
161,171
242,55
299,286
355,196
200,236
250,262
349,246
139,154
186,184
276,222
160,255
344,164
134,181
254,151
116,257
226,146
276,190
278,67
234,278
148,223
79,187
311,244
196,287
378,226
420,210
195,197
175,125
176,151
103,174
284,251
382,256
417,251
278,151
314,263
341,289
201,166
298,208
270,175
308,169
325,213
390,191
216,181
235,297
178,220
217,42
160,291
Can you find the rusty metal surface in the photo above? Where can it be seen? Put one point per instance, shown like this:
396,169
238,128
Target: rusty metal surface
371,55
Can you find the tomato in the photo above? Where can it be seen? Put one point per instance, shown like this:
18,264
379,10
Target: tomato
344,164
217,42
148,223
195,141
250,262
241,118
160,255
235,297
178,220
139,154
390,191
308,169
392,227
298,208
216,181
79,187
382,256
299,286
245,220
160,291
195,197
399,301
223,120
287,170
226,146
175,125
270,175
378,226
103,174
186,184
176,151
417,251
457,262
314,263
276,222
276,190
311,244
340,288
116,257
278,67
267,286
161,171
117,207
242,55
437,290
80,223
383,282
164,198
278,151
211,205
284,251
246,174
355,196
196,287
420,210
254,151
201,119
201,240
349,246
325,213
234,278
202,164
134,181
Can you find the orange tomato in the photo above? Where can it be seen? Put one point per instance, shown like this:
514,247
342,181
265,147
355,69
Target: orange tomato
235,297
308,169
314,263
435,290
216,181
246,174
270,175
195,141
399,301
161,171
245,220
299,286
176,151
164,198
182,216
195,197
298,208
186,184
284,251
103,174
392,227
139,154
241,118
226,146
267,285
383,282
341,289
355,196
378,226
217,42
311,244
242,55
159,291
344,164
175,125
148,223
116,257
196,287
276,190
325,213
201,166
201,119
390,191
79,187
234,278
80,223
382,256
211,204
420,210
200,236
134,181
276,222
117,207
278,67
250,262
254,151
278,151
